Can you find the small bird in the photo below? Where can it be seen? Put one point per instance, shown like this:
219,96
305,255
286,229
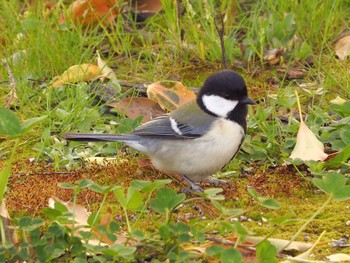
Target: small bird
197,139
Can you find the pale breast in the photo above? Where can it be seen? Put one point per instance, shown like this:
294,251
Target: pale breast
201,157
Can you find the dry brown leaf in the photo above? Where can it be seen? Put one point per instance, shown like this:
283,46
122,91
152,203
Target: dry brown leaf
134,107
170,94
342,48
147,6
76,73
88,12
274,56
307,147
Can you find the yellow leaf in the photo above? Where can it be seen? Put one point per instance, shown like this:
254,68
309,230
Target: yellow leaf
169,94
77,73
307,147
106,71
342,48
338,100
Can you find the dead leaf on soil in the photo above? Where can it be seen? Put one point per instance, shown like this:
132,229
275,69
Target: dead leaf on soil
274,56
281,243
89,12
293,73
342,48
101,160
76,73
307,147
306,254
80,213
170,94
134,107
339,257
81,216
106,71
10,234
338,101
246,248
146,6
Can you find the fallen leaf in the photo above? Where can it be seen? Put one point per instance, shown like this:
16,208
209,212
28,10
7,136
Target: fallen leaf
170,94
246,248
106,71
306,254
9,234
89,12
274,56
145,8
101,160
11,99
81,215
76,73
281,243
342,48
134,107
339,257
307,147
338,101
79,212
145,163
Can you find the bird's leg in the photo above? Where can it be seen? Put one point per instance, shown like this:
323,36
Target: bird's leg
216,182
195,187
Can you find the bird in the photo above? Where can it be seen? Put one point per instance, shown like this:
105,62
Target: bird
197,139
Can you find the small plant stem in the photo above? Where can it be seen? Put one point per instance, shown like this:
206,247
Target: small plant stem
308,221
298,171
299,107
99,210
2,232
127,220
7,173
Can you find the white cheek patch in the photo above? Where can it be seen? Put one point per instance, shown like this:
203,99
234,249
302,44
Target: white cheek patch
219,105
174,126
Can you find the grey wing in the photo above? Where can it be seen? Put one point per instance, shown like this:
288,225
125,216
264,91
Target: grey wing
194,124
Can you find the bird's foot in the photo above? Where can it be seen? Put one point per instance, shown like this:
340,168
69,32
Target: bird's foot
195,188
216,182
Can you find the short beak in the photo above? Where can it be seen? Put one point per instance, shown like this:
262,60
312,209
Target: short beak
248,100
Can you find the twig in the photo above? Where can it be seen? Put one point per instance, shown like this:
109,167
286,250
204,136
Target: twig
42,173
12,95
230,243
221,34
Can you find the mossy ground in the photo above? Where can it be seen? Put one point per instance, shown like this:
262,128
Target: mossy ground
33,183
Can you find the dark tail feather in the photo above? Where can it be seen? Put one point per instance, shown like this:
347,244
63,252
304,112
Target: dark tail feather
99,137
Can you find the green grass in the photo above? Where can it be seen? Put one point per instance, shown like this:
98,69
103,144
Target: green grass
183,47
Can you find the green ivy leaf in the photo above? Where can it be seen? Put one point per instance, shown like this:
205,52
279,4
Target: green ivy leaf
266,202
231,255
4,176
147,186
266,253
28,124
166,200
9,123
335,184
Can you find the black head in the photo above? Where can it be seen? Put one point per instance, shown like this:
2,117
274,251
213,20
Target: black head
224,94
